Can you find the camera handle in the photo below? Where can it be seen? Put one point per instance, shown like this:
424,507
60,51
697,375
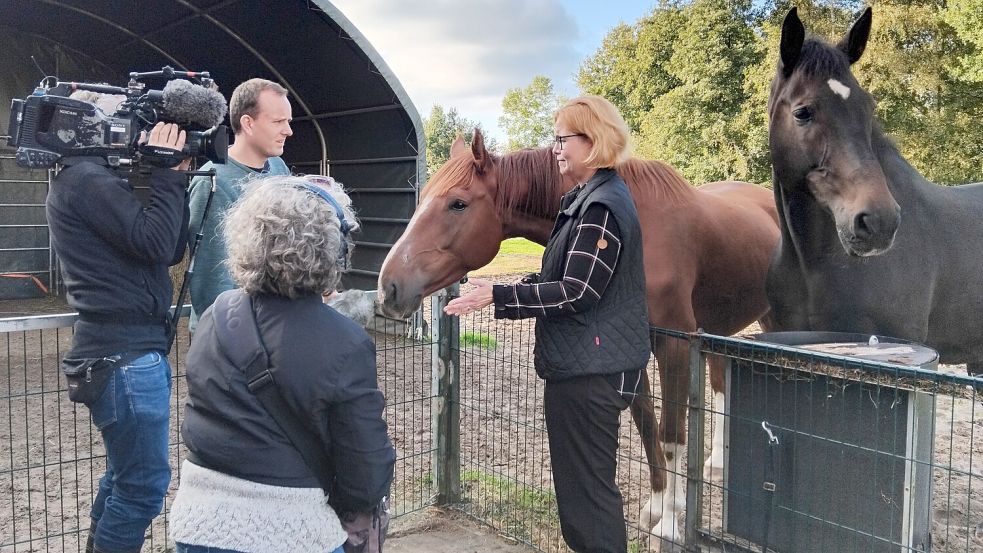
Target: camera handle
175,315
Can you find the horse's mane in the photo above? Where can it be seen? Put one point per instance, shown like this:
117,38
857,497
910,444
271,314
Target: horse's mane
530,181
654,180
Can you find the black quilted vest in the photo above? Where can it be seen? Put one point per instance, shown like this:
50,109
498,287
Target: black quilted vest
612,337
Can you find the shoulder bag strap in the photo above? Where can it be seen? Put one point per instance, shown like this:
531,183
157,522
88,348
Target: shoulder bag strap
239,335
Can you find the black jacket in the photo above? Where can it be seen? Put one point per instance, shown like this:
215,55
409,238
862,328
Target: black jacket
326,373
613,336
114,254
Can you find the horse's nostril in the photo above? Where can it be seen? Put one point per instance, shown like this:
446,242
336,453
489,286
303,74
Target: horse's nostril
864,225
392,292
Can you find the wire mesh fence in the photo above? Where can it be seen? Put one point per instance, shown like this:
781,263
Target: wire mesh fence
865,455
869,456
51,457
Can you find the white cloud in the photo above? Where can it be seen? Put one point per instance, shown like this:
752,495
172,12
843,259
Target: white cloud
467,54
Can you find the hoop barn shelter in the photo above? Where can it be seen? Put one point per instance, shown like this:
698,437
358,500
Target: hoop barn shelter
352,118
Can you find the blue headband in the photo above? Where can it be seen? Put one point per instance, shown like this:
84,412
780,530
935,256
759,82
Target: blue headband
343,223
323,194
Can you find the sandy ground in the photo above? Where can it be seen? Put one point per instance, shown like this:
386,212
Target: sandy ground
444,531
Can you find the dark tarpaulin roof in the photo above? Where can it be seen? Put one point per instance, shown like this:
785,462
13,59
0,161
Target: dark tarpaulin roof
351,115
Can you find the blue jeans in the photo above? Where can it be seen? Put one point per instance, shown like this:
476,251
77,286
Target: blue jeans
185,548
132,416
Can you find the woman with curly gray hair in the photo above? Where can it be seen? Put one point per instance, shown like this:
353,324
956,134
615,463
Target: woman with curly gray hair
245,486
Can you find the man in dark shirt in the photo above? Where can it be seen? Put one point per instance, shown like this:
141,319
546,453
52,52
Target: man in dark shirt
114,255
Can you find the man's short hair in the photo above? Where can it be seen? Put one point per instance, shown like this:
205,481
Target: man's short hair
245,100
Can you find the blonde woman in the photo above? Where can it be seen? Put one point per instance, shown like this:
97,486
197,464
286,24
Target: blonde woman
592,339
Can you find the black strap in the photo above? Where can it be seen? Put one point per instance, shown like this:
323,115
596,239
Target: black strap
239,336
771,476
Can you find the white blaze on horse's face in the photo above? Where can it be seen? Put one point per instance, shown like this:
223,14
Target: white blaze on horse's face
839,88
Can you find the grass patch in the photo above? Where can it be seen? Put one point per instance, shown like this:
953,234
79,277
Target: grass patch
514,508
479,339
516,256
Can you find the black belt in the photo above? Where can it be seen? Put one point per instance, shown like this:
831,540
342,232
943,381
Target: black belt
122,318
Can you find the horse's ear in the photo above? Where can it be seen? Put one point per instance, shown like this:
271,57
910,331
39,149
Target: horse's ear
481,157
854,43
458,146
793,35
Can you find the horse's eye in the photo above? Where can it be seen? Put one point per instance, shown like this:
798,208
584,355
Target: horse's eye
802,115
458,205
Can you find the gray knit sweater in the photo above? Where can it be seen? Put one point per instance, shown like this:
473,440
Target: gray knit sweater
217,510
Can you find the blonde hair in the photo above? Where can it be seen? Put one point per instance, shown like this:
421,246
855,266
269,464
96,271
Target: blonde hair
601,122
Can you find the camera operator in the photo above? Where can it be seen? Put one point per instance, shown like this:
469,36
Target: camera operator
260,115
114,257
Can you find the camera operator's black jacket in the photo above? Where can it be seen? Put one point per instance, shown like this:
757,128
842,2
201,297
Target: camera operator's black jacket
114,255
325,371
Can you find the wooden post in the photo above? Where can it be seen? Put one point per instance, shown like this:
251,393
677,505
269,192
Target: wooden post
447,394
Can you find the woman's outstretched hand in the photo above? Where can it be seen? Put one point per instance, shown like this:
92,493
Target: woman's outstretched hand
476,299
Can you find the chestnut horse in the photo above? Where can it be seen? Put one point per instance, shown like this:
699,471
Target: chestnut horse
868,245
706,256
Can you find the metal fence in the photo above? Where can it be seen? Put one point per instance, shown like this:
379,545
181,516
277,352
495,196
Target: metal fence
866,456
870,456
51,457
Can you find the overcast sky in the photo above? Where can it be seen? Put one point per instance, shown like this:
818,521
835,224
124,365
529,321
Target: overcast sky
467,53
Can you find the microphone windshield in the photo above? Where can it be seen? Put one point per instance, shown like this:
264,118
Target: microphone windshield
187,103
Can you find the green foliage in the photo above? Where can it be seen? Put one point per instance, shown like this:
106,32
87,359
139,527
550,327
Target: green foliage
692,79
441,128
630,68
527,114
966,17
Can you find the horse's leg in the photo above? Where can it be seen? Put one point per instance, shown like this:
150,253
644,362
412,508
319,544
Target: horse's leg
713,470
643,414
665,507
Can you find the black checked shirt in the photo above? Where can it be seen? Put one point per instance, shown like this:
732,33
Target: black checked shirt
589,266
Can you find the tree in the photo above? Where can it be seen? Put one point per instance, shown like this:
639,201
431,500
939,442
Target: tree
966,17
697,125
527,114
630,67
441,128
913,66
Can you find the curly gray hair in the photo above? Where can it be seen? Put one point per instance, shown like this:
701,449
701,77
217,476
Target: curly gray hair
284,240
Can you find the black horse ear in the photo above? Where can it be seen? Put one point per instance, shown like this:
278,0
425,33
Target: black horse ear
481,157
793,35
854,43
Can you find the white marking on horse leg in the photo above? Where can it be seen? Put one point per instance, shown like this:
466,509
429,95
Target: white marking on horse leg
839,88
673,500
713,469
648,517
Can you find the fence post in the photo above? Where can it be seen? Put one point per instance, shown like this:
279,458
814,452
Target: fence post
447,393
695,437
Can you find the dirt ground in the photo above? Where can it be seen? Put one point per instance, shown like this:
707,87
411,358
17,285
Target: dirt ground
47,476
444,531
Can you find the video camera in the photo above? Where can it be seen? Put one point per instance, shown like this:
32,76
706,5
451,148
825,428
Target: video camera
48,125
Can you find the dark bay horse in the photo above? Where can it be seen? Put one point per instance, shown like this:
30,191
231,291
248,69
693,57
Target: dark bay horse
868,245
706,257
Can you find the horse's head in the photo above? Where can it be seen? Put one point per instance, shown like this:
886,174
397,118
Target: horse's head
455,229
821,124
